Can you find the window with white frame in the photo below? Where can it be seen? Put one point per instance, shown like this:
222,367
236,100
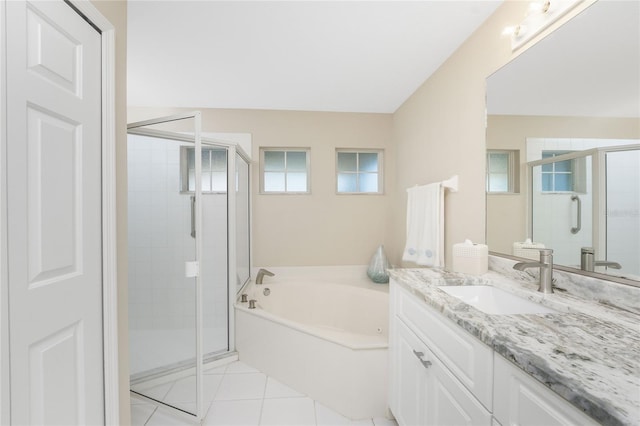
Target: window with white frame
214,170
502,176
284,171
557,176
359,171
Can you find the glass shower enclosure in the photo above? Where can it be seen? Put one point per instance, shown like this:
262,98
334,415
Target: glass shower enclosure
589,199
188,233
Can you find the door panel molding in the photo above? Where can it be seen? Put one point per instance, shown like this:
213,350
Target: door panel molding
55,396
54,166
62,69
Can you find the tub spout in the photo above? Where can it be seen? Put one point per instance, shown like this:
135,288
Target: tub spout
261,273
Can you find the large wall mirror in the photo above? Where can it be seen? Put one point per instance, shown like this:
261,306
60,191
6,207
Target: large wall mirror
563,145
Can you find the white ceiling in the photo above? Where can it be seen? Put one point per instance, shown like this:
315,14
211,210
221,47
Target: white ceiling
357,56
589,67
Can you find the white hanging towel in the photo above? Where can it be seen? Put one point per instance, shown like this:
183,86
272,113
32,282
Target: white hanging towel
425,227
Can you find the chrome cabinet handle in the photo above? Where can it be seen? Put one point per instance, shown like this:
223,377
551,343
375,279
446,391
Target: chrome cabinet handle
576,229
193,216
419,355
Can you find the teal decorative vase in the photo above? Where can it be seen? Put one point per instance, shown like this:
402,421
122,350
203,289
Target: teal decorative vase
378,267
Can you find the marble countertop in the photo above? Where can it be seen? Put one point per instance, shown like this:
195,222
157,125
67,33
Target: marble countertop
588,352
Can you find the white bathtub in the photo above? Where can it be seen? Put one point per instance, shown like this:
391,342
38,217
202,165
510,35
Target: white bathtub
328,341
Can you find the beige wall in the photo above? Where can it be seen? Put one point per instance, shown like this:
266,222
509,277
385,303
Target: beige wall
440,130
320,228
116,13
506,213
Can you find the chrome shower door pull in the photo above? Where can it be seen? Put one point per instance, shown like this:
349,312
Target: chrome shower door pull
578,226
193,216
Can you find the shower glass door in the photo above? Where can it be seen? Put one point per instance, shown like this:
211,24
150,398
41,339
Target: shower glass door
561,197
623,210
165,296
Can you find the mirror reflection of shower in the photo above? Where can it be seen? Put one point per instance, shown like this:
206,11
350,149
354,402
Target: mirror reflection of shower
587,198
175,326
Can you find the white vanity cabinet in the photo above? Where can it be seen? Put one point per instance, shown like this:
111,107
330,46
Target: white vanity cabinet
522,400
438,374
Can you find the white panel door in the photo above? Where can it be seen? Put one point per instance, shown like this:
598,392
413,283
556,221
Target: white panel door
409,377
54,215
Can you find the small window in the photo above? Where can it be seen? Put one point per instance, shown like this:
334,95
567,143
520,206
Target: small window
214,170
284,171
359,171
558,176
501,171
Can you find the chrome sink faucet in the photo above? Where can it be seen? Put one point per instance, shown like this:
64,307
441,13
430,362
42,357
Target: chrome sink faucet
588,262
546,269
261,273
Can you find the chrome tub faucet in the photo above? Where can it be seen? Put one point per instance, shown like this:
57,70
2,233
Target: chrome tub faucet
261,273
546,269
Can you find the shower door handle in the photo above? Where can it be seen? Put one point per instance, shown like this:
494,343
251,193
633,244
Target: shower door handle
578,226
193,216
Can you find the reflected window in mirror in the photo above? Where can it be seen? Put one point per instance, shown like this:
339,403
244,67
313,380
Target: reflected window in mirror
558,176
502,176
564,175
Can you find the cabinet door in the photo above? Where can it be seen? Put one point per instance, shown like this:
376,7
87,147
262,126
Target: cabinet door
409,378
522,400
467,357
450,403
427,393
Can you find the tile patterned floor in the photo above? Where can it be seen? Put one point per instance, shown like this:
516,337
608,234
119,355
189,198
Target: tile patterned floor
239,395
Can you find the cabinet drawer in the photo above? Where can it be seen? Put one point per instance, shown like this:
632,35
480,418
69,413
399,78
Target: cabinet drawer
467,357
522,400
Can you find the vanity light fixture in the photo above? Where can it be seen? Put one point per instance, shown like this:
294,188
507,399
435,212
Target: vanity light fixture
541,14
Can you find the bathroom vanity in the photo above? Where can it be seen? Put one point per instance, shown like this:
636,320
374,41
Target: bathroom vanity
454,363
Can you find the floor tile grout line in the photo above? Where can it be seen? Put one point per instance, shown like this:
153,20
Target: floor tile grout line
264,394
213,398
155,408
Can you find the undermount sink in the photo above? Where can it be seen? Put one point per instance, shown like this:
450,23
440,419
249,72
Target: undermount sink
492,300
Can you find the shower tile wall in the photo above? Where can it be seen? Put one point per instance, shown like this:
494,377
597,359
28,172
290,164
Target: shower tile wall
161,299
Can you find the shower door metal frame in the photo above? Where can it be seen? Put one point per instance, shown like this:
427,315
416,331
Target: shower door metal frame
196,139
232,149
